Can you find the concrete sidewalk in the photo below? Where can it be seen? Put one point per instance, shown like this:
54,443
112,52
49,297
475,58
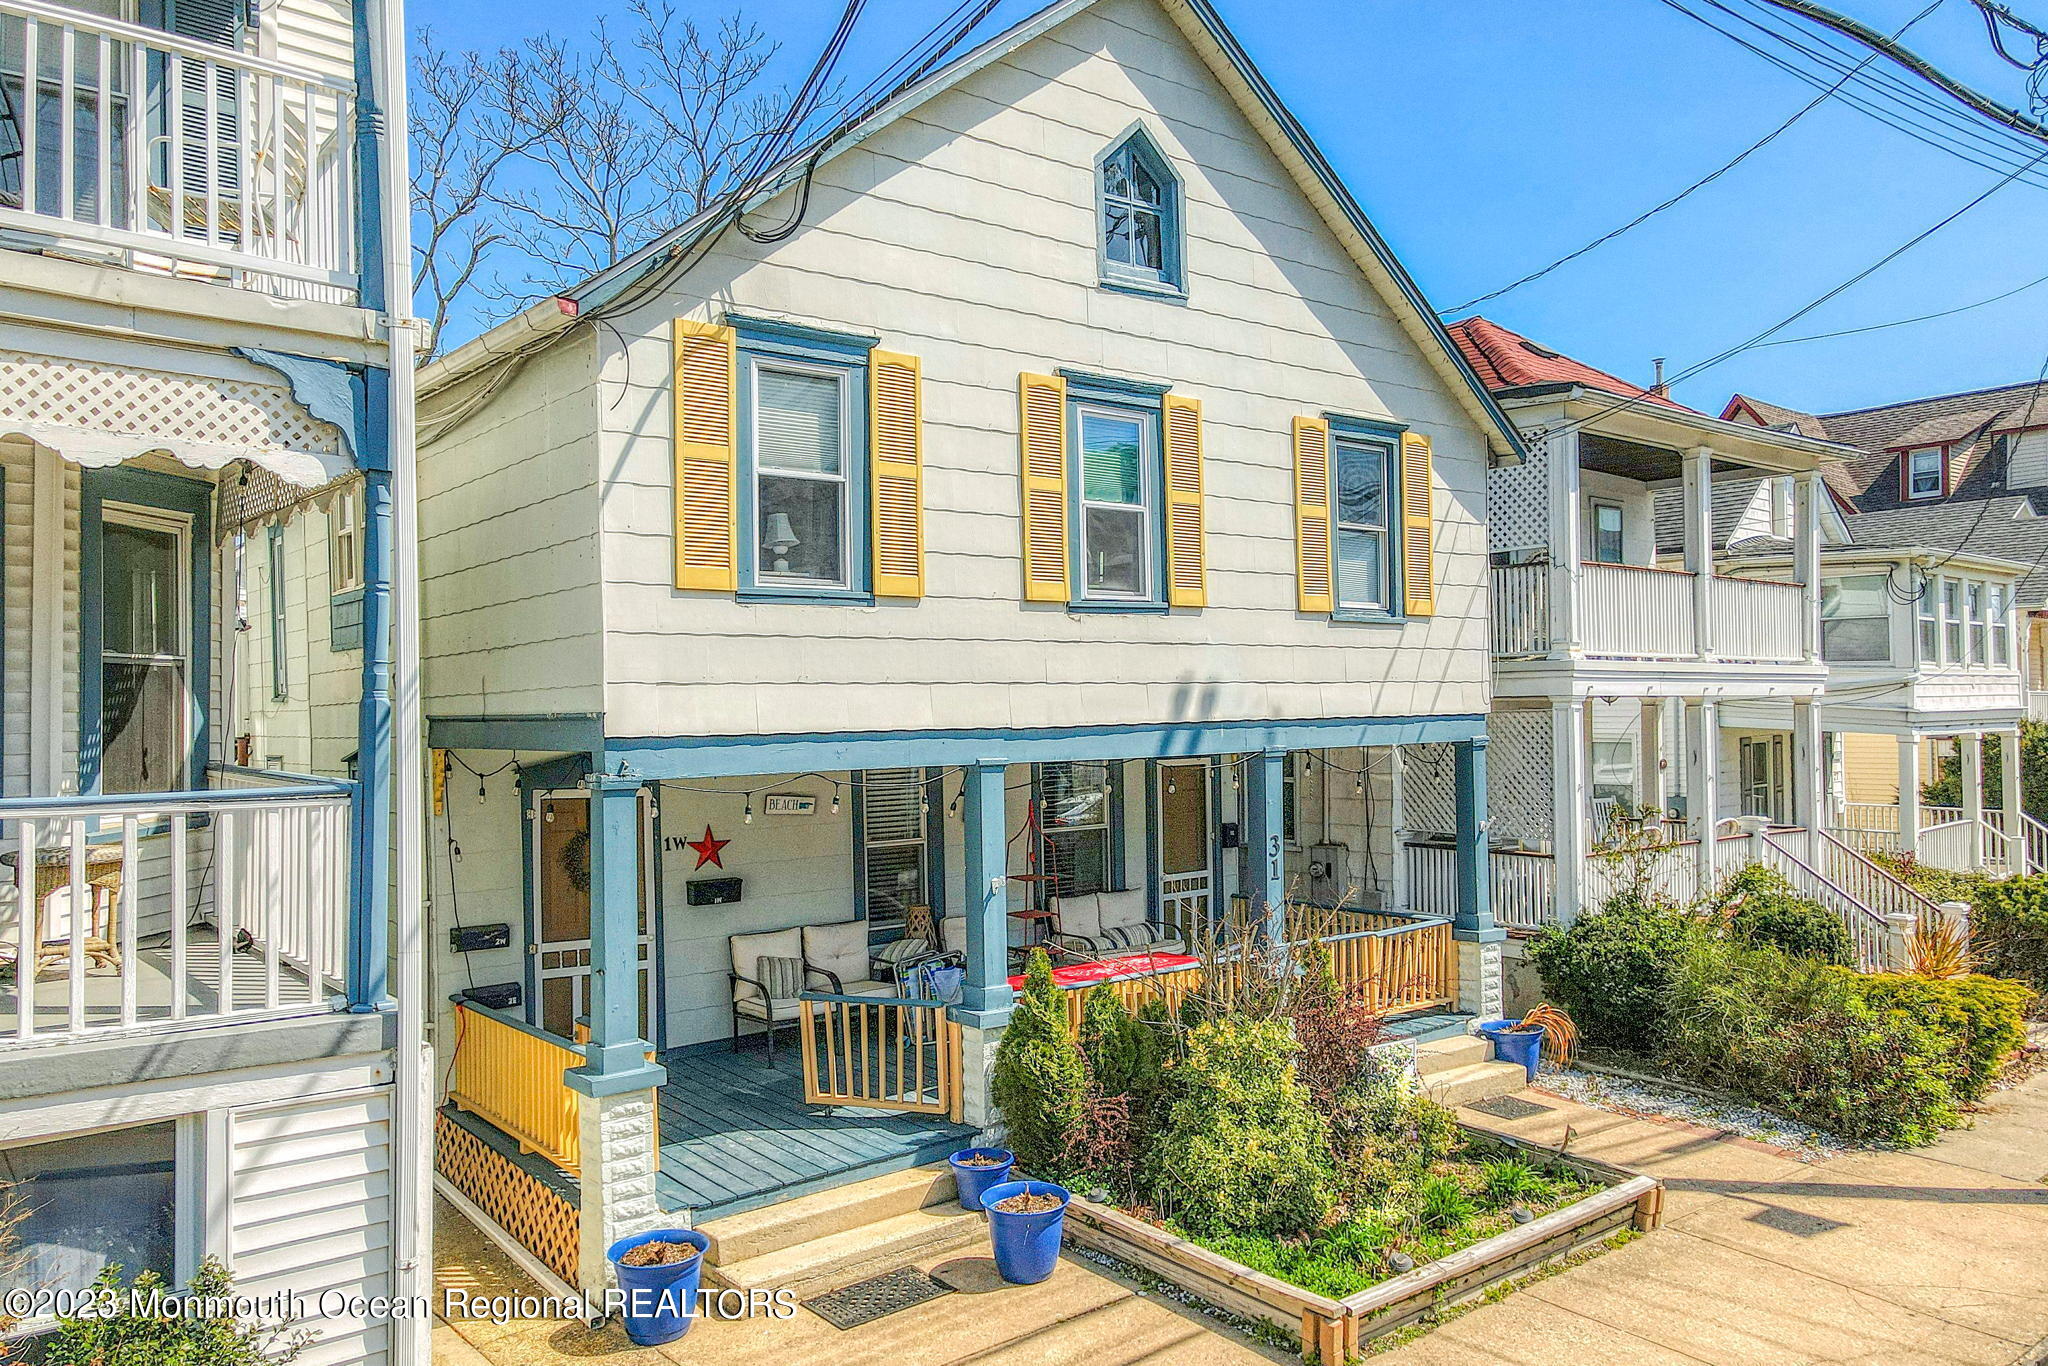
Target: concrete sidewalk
1937,1255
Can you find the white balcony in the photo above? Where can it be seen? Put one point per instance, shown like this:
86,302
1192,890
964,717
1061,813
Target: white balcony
163,153
1634,612
171,910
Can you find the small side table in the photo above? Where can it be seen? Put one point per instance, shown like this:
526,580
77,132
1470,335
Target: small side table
98,922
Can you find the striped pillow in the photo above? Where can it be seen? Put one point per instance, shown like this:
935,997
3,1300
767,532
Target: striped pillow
781,978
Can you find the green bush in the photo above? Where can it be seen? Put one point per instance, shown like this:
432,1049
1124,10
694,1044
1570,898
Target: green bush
2009,929
140,1339
1981,1020
1241,1151
1728,1002
1610,969
1123,1052
1039,1080
1768,911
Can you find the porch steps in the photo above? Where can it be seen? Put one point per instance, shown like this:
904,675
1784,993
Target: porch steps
1460,1070
822,1241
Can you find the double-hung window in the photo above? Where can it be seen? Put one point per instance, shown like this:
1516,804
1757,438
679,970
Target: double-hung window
804,464
1074,812
2001,627
1362,516
1980,643
1118,453
1927,611
1855,619
1606,533
1923,470
345,541
895,872
1952,621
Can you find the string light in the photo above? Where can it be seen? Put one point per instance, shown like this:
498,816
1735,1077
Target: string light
835,799
750,810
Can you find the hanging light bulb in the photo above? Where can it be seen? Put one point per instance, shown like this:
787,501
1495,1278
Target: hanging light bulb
924,805
835,799
481,795
749,818
1170,785
1360,786
953,807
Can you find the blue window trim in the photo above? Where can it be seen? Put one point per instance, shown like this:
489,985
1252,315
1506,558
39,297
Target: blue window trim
1344,427
1170,282
934,851
191,498
1115,870
771,339
1146,401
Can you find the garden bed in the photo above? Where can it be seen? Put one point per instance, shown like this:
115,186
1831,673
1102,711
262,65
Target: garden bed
1332,1329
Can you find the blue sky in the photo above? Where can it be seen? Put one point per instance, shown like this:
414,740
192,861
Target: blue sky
1487,137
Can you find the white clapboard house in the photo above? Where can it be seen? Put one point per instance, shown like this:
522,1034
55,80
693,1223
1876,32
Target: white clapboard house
1063,528
196,662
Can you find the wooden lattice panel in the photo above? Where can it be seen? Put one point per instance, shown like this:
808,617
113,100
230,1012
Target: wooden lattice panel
1518,775
538,1219
124,399
1429,802
1518,503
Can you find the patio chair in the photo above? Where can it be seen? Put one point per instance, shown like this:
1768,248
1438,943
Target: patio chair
1097,923
768,975
840,953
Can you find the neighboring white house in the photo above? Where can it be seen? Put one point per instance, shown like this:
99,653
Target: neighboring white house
196,1042
1077,513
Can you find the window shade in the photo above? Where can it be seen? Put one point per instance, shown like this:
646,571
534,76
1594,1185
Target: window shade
797,422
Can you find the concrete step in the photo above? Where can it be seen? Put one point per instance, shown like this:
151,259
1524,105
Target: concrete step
737,1237
850,1254
1475,1081
1443,1055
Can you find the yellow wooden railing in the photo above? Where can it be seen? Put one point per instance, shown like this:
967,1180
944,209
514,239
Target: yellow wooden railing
510,1074
881,1053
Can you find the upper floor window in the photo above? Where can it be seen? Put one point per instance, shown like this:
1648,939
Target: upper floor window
1923,471
1360,538
1139,211
1855,620
2001,626
1952,621
1118,450
802,454
1980,628
1928,612
1607,540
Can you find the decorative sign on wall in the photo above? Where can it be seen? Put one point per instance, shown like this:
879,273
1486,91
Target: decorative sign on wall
707,849
791,804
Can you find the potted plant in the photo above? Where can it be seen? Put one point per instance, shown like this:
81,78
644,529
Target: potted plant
976,1169
659,1272
1025,1219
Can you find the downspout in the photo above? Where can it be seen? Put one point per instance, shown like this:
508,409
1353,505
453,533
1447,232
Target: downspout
391,683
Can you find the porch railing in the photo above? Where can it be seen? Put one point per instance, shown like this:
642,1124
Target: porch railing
508,1072
1633,610
1757,619
880,1052
126,913
145,142
1998,842
1521,609
1848,868
1524,885
1404,963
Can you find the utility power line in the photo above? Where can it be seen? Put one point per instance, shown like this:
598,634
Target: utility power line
1904,322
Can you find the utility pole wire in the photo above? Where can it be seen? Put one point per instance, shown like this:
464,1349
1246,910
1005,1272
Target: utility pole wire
1913,62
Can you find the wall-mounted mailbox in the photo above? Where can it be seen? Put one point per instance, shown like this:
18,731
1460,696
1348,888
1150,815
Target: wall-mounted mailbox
712,891
497,996
1229,834
470,938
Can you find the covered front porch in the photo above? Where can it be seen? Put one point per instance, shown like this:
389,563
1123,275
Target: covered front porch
870,920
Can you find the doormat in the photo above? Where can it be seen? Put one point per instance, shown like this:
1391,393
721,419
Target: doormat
1794,1222
1509,1107
877,1297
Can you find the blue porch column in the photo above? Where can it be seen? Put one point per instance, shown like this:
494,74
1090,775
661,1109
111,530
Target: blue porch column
1265,836
369,940
1480,985
985,1000
615,1060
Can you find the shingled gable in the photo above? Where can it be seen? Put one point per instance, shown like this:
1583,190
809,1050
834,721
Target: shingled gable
1204,29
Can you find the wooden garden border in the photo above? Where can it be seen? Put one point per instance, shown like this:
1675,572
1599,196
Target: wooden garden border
1333,1331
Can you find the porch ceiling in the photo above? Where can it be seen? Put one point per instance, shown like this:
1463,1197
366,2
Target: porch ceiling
1636,460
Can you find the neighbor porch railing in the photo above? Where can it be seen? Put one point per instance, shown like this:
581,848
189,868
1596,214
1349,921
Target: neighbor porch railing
1757,619
1521,609
1632,611
510,1073
172,909
162,147
1524,885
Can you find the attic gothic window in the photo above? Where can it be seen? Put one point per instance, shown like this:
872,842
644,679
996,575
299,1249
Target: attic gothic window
1140,207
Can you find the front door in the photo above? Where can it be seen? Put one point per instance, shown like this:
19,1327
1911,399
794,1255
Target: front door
561,881
1185,888
1763,778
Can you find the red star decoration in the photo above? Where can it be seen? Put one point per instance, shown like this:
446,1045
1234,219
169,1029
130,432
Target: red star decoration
707,849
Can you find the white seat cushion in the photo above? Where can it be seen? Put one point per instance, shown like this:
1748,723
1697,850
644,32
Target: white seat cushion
746,948
755,1009
953,934
866,987
841,950
1121,910
1081,915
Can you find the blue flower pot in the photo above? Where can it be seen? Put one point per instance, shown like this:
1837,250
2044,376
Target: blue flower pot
1027,1246
661,1301
972,1181
1524,1047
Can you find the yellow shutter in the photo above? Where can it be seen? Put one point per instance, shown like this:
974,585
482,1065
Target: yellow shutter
896,433
706,458
1312,514
1187,582
1418,570
1042,424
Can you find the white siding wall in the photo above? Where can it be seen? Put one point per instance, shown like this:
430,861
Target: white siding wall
313,35
965,234
1638,514
309,1188
2027,460
313,727
508,554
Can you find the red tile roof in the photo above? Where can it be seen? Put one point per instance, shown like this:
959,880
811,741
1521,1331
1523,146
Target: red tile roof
1507,360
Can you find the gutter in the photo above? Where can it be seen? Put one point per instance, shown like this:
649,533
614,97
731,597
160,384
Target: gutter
518,335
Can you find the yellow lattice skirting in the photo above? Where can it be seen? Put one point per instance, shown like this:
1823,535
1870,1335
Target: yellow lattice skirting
539,1219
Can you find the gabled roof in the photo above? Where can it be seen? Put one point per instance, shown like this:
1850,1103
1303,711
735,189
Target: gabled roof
1509,361
1771,415
1984,528
1228,63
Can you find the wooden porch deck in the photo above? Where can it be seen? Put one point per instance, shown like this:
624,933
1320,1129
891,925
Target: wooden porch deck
736,1134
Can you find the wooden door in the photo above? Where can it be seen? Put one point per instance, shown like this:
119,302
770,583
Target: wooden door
1186,889
561,881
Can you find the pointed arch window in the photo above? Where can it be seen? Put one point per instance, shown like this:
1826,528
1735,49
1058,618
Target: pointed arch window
1139,217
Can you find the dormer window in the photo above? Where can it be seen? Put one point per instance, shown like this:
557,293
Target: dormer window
1922,468
1139,214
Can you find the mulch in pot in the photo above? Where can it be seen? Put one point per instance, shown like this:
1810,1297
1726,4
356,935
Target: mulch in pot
1027,1204
658,1254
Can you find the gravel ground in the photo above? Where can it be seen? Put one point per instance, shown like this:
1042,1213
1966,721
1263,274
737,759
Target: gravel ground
1627,1097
